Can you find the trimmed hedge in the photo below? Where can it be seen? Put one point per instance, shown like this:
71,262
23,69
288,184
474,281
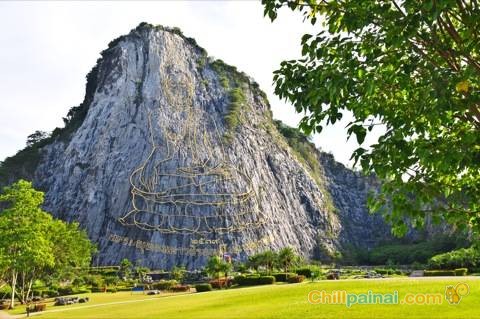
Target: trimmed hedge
165,284
47,292
203,287
181,288
266,280
283,277
65,290
296,279
62,291
430,273
461,271
456,272
221,283
388,271
254,280
82,290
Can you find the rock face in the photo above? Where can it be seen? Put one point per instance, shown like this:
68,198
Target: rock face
349,191
174,157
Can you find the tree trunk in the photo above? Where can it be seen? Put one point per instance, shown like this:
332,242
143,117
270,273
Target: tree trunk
29,291
25,286
13,285
22,289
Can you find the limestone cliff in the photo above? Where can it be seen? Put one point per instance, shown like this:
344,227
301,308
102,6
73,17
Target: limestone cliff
173,157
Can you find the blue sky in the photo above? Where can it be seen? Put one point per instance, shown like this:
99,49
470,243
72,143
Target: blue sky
48,48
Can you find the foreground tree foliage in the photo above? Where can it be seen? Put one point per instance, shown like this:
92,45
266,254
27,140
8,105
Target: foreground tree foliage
412,67
216,265
33,245
287,258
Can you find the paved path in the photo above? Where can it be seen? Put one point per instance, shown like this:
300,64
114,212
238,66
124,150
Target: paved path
4,315
91,306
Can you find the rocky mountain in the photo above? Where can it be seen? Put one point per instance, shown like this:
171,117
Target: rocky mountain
173,157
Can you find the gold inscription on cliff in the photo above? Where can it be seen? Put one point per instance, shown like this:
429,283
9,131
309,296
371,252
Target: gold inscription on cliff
209,246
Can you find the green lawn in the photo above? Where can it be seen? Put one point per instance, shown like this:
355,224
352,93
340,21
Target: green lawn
285,301
97,299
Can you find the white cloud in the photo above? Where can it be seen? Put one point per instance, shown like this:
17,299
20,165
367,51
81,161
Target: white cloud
49,47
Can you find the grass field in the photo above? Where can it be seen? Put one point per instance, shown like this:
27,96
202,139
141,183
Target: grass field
282,301
98,299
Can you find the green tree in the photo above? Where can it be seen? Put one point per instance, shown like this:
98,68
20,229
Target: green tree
253,262
240,266
178,273
268,259
36,137
216,265
141,272
125,268
226,268
412,68
33,245
72,251
111,281
287,258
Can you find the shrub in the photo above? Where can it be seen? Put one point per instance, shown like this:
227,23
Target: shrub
221,283
203,287
461,271
50,293
408,253
265,280
232,118
224,82
283,277
239,280
254,280
112,289
296,279
110,273
165,284
39,307
461,258
309,272
5,292
430,273
68,290
181,288
96,281
388,271
78,281
37,292
111,280
243,280
81,290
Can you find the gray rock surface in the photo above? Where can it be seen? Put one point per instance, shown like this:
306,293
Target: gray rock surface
155,173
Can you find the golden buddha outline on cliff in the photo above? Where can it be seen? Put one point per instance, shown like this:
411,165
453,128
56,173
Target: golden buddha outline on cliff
201,196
